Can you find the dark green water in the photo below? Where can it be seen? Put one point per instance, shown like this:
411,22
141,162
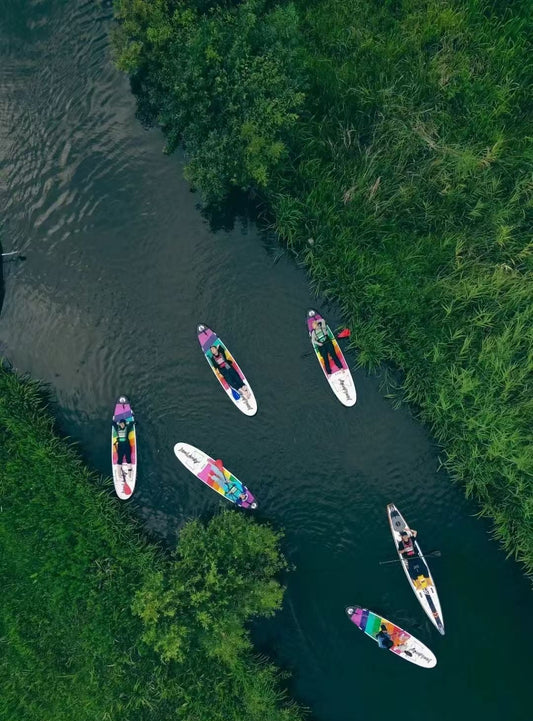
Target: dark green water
121,267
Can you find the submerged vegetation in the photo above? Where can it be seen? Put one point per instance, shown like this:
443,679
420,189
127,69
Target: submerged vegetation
96,622
391,143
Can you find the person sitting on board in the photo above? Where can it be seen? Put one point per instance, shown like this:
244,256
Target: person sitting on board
224,365
383,638
406,547
123,430
320,338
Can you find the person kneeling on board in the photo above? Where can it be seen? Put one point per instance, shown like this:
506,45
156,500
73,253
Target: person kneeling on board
383,638
320,338
406,547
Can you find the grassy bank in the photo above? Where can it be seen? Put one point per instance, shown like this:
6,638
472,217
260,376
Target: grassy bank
391,144
96,622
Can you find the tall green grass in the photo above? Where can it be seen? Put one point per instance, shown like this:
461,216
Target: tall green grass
98,623
402,179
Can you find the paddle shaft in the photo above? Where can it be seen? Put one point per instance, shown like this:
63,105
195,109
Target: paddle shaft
417,555
310,352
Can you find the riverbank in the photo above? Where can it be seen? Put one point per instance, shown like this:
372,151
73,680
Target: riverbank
97,621
389,144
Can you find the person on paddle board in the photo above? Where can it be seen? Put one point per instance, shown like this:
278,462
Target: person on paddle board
220,361
218,477
406,547
324,344
123,430
383,638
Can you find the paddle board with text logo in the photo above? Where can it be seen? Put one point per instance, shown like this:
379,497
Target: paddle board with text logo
227,371
213,474
331,359
123,449
403,644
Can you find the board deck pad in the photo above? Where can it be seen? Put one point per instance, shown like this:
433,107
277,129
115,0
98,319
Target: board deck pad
422,583
124,473
241,396
214,475
405,646
340,379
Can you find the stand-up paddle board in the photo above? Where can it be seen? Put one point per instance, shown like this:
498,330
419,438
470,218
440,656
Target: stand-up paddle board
331,359
404,645
228,373
416,570
214,475
123,449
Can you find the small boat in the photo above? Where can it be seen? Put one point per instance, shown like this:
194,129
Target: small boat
340,379
124,468
404,645
214,475
417,570
228,374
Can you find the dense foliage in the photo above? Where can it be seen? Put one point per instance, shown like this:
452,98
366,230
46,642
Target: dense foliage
391,141
95,622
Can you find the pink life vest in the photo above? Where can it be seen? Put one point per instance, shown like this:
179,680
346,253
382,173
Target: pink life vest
220,360
409,547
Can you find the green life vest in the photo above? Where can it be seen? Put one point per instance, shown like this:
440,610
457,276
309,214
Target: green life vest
320,334
122,434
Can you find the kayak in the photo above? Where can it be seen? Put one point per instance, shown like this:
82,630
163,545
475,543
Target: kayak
214,475
230,376
124,470
340,379
405,646
419,577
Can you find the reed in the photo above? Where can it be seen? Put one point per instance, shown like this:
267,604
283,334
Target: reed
397,137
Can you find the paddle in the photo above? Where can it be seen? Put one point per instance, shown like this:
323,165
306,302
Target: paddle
344,333
15,253
435,554
125,487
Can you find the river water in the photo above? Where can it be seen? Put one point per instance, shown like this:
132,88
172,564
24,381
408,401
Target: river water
121,266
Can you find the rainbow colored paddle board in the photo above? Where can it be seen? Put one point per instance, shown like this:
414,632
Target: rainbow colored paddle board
417,570
214,475
123,449
227,371
339,376
405,646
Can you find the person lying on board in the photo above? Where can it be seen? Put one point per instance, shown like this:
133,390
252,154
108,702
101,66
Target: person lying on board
224,365
415,565
123,430
233,492
383,638
324,344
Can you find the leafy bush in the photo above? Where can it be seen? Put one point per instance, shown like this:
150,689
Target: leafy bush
96,623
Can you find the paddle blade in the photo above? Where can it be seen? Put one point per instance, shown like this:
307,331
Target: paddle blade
235,395
344,333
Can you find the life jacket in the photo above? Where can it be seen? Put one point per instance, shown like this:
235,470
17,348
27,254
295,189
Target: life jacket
320,334
408,546
122,434
220,360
